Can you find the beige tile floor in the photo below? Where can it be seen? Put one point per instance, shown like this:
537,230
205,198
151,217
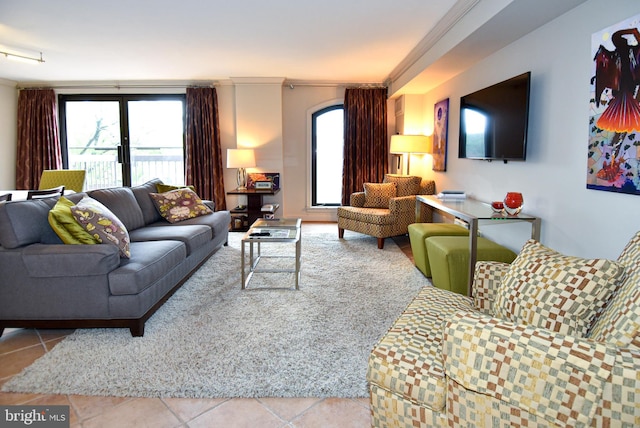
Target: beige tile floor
20,347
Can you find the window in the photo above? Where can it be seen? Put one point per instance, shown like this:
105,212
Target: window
327,140
123,140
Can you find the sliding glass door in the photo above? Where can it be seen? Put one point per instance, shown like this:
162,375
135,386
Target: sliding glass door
123,140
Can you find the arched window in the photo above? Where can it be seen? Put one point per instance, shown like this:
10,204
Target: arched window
327,140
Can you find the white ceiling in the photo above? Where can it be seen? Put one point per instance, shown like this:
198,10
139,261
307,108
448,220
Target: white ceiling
208,40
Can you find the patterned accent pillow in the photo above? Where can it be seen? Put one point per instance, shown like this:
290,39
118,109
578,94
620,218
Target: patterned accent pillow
561,293
406,185
102,224
377,195
180,204
65,225
161,188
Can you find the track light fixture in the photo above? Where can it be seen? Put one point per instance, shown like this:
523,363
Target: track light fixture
24,58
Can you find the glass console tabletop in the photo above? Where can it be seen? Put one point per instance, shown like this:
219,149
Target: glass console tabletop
471,211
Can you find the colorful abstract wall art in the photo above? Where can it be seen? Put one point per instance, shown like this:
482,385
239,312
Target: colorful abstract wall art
614,122
440,127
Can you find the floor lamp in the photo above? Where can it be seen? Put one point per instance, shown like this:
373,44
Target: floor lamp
401,144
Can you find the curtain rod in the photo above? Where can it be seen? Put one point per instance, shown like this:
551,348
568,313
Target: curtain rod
116,86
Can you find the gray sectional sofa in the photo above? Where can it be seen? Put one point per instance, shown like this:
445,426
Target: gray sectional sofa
47,284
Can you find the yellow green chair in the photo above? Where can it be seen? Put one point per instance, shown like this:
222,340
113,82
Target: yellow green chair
419,232
71,179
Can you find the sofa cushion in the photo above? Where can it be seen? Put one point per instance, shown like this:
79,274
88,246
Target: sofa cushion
180,204
561,293
406,185
149,212
377,195
26,222
407,361
65,225
193,236
620,321
150,261
122,202
102,224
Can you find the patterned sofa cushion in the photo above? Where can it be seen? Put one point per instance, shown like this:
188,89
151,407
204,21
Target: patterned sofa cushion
408,359
377,195
561,293
406,185
620,321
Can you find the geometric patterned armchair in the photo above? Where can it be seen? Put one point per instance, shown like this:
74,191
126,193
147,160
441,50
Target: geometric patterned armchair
385,209
71,179
449,360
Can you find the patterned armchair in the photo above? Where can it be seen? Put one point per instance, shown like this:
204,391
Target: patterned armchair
385,209
450,361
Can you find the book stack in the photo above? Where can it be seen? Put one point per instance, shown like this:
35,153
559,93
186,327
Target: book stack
451,195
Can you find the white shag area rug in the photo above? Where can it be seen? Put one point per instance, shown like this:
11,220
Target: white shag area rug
212,339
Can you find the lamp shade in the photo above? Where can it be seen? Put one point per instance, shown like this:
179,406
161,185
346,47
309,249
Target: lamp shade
241,158
411,144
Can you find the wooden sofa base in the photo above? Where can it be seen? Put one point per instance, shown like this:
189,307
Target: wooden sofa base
135,325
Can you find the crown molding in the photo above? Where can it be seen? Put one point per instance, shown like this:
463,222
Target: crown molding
457,12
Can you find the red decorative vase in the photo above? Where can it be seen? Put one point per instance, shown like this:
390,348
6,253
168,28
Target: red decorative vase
513,203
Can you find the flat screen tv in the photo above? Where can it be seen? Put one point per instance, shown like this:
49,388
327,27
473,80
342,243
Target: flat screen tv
494,120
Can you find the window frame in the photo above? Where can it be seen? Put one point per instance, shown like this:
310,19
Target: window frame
122,100
314,142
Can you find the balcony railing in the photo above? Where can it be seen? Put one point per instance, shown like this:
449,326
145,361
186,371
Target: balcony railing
105,171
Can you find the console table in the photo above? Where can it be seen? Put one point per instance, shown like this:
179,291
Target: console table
253,210
471,211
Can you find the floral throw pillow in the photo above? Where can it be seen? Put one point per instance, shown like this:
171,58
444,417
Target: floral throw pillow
377,195
180,204
560,293
102,224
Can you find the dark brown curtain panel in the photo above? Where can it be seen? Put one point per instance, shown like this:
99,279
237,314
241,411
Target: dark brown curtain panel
38,141
365,139
203,152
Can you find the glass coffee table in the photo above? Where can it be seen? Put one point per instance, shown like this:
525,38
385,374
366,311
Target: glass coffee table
264,231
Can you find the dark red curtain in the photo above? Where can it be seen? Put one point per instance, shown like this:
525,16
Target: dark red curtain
203,152
365,139
38,141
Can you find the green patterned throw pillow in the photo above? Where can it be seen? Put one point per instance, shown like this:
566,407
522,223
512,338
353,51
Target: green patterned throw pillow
102,224
66,226
180,204
560,293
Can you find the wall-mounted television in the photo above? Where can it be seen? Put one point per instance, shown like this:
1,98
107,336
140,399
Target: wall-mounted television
494,121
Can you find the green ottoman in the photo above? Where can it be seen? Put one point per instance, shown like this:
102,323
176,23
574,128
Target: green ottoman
418,232
449,259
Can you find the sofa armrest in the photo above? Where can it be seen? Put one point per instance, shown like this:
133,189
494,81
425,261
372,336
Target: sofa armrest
357,199
559,378
427,187
486,279
48,261
402,204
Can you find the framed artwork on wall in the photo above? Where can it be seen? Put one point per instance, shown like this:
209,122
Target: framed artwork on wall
614,118
440,126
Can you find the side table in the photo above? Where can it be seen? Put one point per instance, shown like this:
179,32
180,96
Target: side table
253,210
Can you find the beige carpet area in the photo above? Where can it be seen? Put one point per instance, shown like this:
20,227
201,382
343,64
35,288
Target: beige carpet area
212,339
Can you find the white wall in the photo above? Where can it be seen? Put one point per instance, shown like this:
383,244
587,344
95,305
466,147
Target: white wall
299,104
575,220
8,133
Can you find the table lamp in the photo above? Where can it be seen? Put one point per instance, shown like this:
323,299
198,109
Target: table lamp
241,159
